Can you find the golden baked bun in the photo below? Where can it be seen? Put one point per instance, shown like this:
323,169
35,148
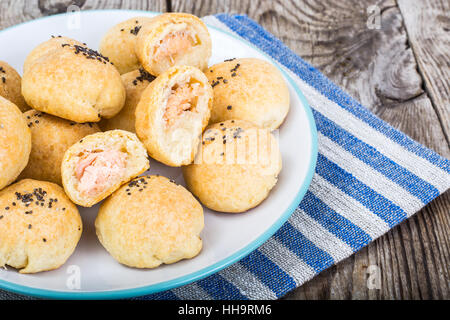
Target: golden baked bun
15,142
50,138
100,163
173,39
150,221
248,89
118,44
10,86
135,83
237,167
172,113
64,78
39,226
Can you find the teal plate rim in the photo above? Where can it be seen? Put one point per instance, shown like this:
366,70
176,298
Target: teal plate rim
203,273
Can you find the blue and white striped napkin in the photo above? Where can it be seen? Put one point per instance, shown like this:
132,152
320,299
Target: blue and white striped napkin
369,178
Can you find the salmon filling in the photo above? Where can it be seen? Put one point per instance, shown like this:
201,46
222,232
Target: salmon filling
99,170
182,98
172,44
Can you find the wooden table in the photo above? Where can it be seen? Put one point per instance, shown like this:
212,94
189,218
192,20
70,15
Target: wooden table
393,56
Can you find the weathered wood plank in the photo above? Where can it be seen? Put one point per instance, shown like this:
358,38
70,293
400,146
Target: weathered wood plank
17,11
428,24
377,67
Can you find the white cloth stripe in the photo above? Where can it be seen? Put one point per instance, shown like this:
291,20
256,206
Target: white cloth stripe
321,237
191,292
247,282
410,161
298,269
369,176
348,207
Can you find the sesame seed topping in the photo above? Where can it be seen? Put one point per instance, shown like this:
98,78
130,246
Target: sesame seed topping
135,30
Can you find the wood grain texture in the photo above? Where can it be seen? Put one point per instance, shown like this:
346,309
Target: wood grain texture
16,11
405,87
428,26
377,67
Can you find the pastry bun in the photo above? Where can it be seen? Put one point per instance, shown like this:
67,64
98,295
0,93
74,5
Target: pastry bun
237,167
249,89
173,39
172,113
135,83
100,163
64,78
118,44
15,142
50,138
150,221
10,86
39,226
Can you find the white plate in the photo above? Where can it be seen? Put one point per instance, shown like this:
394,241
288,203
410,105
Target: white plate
226,237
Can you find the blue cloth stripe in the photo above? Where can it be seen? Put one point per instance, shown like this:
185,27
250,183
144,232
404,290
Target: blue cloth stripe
303,248
369,155
268,272
338,225
219,288
375,202
251,31
165,295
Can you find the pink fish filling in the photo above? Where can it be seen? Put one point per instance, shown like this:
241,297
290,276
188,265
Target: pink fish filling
172,44
181,99
99,170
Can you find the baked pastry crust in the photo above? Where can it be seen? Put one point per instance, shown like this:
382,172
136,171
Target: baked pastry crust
15,142
149,222
249,89
10,86
118,44
172,136
135,83
64,78
194,50
120,142
50,138
237,167
39,226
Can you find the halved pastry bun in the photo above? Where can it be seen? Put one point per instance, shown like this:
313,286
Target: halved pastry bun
172,113
173,39
119,43
100,163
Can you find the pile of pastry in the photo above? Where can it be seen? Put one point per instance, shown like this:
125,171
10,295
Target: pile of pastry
82,126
